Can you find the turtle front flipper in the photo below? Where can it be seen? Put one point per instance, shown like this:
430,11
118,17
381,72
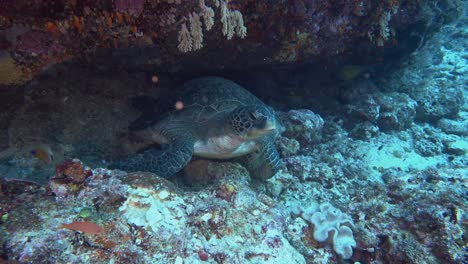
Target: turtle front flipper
164,163
264,162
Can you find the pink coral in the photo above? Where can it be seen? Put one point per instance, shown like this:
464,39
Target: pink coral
36,43
132,7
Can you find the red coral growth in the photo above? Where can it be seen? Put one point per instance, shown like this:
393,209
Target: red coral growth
274,242
203,255
226,191
84,226
72,171
36,43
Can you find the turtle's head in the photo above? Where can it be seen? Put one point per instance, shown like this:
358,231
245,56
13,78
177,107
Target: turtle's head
252,121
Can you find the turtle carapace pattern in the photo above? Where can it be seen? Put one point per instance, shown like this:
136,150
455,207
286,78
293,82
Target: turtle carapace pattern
217,119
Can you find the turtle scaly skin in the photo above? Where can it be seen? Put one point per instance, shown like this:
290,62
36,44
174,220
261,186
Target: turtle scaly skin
264,162
219,120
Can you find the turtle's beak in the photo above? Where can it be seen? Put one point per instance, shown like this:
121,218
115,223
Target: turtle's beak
267,129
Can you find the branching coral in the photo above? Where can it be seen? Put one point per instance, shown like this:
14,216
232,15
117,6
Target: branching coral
232,20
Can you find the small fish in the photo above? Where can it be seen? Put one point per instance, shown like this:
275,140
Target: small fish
84,226
351,72
43,152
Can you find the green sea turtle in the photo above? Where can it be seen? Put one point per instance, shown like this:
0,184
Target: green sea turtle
214,118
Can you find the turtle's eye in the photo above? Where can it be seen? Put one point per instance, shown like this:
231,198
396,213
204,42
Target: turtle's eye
254,115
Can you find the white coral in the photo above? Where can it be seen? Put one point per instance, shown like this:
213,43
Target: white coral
330,219
225,18
241,30
207,14
185,40
196,31
233,22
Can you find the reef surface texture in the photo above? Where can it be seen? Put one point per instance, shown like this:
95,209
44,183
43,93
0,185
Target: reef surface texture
193,35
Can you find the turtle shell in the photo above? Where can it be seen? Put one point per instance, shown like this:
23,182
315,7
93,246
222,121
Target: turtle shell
204,97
